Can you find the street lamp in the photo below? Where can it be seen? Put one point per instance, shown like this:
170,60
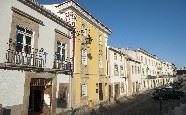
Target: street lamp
88,39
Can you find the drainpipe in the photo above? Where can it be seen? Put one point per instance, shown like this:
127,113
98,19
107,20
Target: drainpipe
71,80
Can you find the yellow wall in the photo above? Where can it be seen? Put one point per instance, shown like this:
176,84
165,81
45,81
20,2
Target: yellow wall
92,64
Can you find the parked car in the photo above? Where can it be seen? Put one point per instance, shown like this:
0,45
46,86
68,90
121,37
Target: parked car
174,91
175,85
159,94
167,93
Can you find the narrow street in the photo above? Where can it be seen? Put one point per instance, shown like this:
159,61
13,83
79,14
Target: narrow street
141,104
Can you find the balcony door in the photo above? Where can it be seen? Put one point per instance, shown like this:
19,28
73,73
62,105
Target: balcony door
23,44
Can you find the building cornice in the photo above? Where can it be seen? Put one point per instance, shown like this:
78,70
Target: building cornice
26,15
62,33
75,6
147,53
47,13
116,50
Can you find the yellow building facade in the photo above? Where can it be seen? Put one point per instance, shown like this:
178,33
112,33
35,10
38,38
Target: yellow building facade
89,82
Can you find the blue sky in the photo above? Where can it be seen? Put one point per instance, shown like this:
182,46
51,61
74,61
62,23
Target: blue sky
159,26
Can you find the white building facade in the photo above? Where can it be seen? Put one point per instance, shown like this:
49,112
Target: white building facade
134,72
35,64
117,69
154,71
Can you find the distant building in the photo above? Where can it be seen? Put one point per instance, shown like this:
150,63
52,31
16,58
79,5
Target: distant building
117,70
133,71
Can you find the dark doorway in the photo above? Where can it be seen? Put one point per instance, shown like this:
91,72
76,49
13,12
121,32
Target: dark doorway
117,90
100,91
154,83
110,91
38,98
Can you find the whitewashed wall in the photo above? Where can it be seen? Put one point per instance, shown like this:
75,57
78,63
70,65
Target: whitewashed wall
11,87
120,78
135,77
5,28
46,32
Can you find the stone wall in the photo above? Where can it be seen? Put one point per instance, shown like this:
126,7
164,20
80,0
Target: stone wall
12,91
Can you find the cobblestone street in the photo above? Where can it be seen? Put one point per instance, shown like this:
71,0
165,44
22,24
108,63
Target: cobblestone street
141,104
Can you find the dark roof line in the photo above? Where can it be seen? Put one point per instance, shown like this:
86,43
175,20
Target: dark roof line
86,12
47,13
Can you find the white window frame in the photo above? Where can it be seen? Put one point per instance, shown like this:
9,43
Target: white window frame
121,70
84,90
121,58
100,61
100,40
116,69
115,56
84,30
84,57
25,34
62,47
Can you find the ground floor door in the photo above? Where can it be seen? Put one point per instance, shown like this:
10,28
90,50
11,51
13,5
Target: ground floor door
154,83
100,91
36,99
110,92
117,91
40,97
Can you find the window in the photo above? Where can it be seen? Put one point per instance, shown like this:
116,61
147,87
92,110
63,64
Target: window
100,40
122,87
84,30
116,69
23,40
84,89
115,56
138,70
61,51
135,70
143,71
121,70
121,59
84,57
132,69
142,59
100,62
145,60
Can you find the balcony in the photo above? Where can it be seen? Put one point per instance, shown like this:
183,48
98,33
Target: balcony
151,77
36,59
61,65
159,68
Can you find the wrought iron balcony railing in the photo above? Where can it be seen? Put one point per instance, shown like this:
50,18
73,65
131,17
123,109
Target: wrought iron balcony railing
151,77
35,59
63,65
